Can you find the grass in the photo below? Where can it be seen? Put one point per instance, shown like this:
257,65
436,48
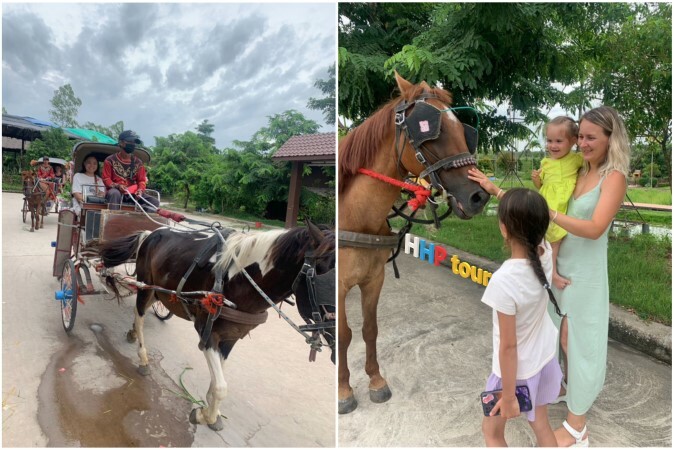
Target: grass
655,196
643,286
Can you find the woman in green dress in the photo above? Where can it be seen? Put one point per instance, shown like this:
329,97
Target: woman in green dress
597,197
599,193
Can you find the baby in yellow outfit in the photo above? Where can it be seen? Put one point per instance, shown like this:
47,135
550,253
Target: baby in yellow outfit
556,179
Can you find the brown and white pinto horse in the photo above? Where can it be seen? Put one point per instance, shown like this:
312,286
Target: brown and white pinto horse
365,202
35,197
274,259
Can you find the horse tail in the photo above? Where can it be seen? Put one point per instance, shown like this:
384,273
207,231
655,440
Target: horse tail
118,251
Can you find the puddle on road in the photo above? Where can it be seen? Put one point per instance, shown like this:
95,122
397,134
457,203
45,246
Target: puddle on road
100,400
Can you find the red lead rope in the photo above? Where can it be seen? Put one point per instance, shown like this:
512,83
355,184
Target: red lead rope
420,193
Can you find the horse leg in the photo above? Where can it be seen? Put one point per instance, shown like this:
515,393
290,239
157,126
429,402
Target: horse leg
39,221
32,218
210,414
143,298
379,390
346,400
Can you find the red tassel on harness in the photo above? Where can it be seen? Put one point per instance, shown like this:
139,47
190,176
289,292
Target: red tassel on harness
420,193
211,301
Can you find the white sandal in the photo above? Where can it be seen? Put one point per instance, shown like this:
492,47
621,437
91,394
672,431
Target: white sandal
577,435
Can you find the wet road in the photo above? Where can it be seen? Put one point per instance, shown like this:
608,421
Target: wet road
435,347
83,389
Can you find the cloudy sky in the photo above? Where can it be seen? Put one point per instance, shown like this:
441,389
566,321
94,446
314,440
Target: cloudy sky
163,68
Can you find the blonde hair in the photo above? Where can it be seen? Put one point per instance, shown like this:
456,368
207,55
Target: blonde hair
570,125
618,152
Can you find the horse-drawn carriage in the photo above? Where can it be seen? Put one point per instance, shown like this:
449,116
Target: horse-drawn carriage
40,195
221,279
79,236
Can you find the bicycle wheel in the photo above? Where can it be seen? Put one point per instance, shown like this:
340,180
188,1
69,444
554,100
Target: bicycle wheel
69,292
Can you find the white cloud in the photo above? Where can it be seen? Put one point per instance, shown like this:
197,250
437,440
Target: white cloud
163,68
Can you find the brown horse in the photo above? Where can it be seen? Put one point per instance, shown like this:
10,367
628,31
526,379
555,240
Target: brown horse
281,262
429,143
34,195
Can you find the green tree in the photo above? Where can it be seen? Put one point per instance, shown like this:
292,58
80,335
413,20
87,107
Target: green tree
52,142
204,131
369,34
65,106
179,162
327,103
481,52
282,127
637,80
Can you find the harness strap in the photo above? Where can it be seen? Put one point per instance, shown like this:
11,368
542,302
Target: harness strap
453,162
244,318
212,242
362,240
309,272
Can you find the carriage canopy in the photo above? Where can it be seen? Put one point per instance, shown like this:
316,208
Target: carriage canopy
82,150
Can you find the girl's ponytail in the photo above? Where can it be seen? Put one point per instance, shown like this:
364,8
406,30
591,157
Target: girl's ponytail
532,255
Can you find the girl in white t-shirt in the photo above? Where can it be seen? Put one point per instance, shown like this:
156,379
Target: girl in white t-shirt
524,336
88,181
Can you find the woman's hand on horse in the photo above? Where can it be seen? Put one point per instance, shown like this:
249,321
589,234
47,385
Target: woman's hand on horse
477,176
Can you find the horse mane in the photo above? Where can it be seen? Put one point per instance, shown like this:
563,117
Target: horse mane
291,247
242,250
360,147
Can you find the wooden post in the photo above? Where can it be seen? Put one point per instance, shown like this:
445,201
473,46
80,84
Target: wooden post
294,194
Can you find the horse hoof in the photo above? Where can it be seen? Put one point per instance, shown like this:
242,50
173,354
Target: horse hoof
218,425
144,370
380,395
131,337
193,417
347,405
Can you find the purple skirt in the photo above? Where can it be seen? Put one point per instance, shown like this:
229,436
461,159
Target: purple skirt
543,387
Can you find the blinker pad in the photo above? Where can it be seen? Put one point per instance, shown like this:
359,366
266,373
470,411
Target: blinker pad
325,288
471,138
424,123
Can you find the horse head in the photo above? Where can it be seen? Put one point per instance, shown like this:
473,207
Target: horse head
436,145
28,178
314,286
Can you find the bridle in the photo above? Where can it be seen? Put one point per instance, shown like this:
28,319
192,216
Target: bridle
321,293
422,125
30,185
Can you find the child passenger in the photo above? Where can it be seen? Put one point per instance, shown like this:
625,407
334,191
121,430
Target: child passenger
556,180
524,337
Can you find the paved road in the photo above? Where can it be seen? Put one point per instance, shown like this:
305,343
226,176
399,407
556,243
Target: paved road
83,390
435,351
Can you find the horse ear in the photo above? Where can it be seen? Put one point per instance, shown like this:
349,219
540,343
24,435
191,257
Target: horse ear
425,85
403,84
315,233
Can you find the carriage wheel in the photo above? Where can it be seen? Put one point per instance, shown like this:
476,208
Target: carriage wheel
70,290
25,209
161,311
